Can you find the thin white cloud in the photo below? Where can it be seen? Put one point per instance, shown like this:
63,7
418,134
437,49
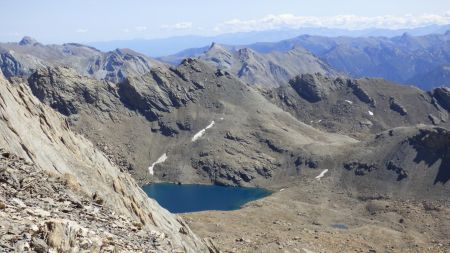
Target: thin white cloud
140,28
341,21
178,26
82,30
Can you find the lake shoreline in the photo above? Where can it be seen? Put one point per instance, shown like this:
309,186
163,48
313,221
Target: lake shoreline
186,198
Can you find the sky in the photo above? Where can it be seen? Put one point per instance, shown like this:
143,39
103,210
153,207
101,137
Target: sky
57,21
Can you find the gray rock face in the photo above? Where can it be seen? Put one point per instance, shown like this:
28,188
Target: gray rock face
9,65
154,93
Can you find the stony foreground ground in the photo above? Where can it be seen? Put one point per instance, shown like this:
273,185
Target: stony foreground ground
41,212
312,216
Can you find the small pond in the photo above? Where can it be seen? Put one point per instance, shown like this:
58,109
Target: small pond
186,198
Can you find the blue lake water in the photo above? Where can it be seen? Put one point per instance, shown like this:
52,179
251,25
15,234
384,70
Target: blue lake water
193,197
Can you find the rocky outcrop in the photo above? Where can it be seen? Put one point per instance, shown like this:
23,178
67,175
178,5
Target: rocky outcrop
401,173
43,139
312,87
442,95
360,169
360,92
397,107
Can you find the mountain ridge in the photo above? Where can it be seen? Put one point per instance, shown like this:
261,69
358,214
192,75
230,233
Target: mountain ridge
401,59
168,46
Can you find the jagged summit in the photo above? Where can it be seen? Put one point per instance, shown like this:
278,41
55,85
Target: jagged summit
216,48
27,40
264,69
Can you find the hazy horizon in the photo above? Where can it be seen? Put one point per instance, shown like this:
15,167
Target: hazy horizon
52,21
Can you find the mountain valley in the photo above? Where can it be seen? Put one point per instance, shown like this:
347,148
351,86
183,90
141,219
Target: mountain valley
355,164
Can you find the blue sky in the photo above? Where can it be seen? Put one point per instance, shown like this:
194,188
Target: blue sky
56,21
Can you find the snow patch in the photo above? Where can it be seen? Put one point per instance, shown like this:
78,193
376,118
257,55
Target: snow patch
202,132
370,113
348,101
321,174
161,159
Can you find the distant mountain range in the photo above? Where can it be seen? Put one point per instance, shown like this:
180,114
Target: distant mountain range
172,45
407,59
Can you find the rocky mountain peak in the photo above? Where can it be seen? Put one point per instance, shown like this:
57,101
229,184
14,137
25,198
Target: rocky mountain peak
217,49
218,54
27,40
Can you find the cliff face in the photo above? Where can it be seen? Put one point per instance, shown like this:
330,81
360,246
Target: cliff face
37,144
